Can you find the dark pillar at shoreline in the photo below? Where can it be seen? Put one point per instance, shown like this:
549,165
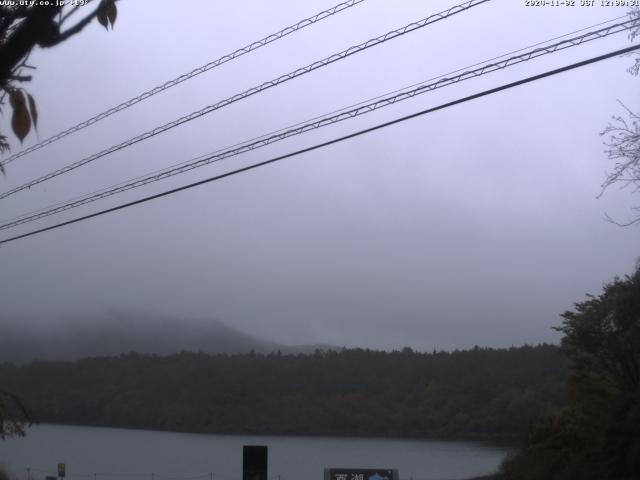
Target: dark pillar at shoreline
254,462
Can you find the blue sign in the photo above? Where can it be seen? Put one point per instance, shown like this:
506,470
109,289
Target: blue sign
360,474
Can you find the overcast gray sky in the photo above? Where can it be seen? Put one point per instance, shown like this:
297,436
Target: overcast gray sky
477,224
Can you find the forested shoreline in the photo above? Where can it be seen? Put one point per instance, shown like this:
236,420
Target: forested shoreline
489,394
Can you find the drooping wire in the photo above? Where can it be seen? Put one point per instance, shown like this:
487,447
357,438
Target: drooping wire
317,117
331,142
252,91
182,78
319,122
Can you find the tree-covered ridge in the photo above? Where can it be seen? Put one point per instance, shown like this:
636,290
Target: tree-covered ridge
479,393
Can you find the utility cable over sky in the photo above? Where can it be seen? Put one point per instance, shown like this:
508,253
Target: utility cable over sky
411,27
335,140
322,121
183,78
319,117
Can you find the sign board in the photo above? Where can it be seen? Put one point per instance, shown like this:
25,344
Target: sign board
61,470
360,474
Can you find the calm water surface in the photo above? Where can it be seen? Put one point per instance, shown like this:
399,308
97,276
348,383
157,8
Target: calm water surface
93,453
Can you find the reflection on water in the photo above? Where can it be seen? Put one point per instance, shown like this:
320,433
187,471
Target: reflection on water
93,453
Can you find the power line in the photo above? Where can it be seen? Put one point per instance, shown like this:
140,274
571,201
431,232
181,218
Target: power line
318,122
330,113
331,142
182,78
318,117
252,91
324,120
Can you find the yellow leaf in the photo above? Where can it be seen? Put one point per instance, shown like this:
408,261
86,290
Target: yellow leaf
103,18
112,13
20,120
33,110
13,98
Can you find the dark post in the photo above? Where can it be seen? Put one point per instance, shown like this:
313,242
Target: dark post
254,462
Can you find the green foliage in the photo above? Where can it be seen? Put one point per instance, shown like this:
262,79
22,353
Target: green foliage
480,393
598,435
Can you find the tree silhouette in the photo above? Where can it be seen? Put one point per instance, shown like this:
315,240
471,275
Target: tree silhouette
597,434
22,28
25,27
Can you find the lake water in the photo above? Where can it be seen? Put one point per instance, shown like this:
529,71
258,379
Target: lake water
93,453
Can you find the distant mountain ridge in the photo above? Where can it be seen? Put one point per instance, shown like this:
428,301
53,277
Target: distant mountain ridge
117,332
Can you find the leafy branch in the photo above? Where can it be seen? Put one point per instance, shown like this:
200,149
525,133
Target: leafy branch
22,28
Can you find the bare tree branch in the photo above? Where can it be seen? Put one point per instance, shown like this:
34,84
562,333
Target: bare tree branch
72,11
64,17
38,25
623,147
77,28
24,27
21,78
